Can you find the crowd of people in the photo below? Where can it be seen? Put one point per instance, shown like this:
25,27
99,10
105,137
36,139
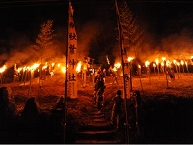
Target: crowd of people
99,88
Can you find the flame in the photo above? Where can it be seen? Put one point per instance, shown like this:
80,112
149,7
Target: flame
117,65
157,61
114,69
186,63
162,64
78,68
154,65
130,59
63,69
2,69
163,58
168,63
53,64
35,66
182,62
174,61
147,63
19,70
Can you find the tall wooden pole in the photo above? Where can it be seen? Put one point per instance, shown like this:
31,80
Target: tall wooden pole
66,79
124,77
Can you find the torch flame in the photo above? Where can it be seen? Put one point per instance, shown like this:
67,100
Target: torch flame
147,63
130,59
78,68
157,61
63,69
2,69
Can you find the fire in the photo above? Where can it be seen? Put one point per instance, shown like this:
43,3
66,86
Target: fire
34,66
168,63
63,69
157,61
162,64
174,61
2,69
147,63
78,68
53,64
130,59
163,58
117,65
182,62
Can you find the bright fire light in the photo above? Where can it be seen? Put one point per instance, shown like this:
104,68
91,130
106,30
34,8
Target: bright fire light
130,59
2,69
78,68
147,63
63,69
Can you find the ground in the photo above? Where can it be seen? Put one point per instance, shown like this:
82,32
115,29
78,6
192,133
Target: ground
167,104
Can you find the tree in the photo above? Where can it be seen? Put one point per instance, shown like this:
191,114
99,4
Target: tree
44,39
44,42
130,28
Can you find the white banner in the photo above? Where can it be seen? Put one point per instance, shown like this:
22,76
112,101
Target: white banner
72,60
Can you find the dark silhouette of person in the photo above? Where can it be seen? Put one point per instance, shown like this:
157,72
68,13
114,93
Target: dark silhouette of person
117,108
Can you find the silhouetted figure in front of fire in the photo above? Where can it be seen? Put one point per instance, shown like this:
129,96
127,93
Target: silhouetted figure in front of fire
100,87
96,79
117,108
98,83
115,79
170,72
104,74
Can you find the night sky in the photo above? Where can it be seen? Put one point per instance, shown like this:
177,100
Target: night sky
167,26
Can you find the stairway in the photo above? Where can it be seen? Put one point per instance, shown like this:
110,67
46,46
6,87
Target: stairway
98,131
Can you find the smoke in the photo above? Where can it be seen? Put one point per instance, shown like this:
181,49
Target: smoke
23,52
173,46
88,31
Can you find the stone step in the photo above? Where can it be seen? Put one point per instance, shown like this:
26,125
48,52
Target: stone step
98,141
98,134
98,116
97,126
97,112
99,120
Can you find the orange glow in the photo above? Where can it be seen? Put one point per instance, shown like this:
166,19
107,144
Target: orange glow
157,61
168,63
117,65
130,59
163,58
78,68
147,63
174,61
2,69
162,64
182,62
63,69
53,64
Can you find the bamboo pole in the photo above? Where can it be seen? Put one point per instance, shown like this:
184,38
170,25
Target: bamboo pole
66,77
121,46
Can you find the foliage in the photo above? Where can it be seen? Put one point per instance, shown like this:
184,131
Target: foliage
130,28
44,39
